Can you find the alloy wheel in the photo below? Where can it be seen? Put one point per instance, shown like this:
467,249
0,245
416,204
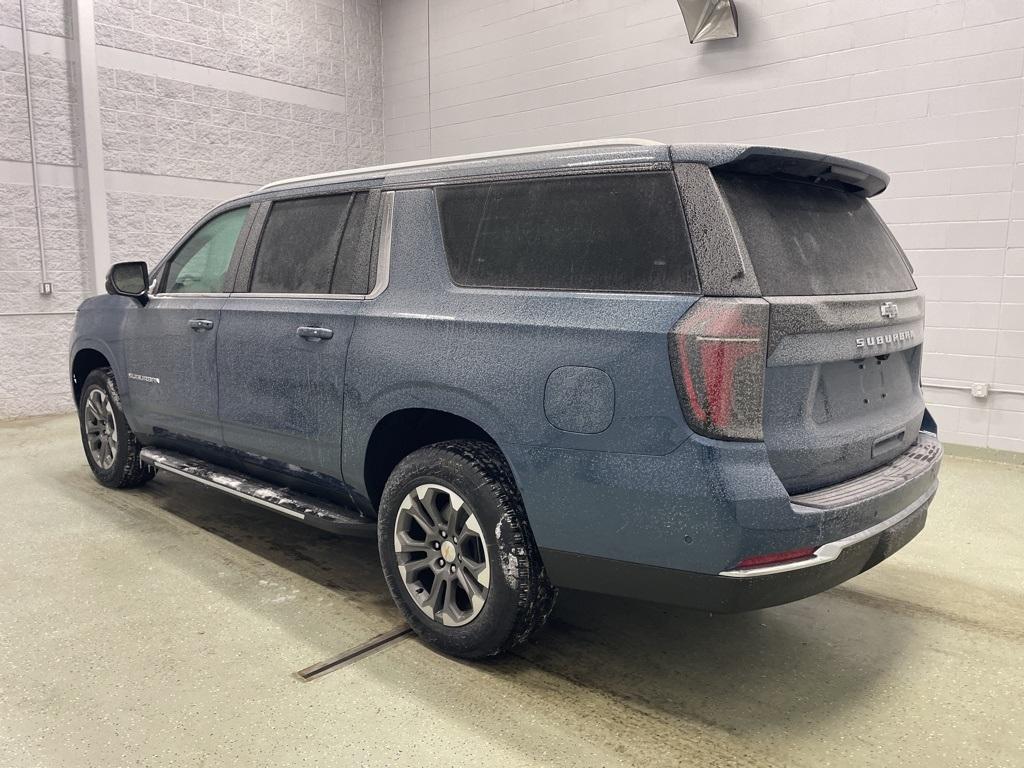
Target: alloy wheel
100,428
442,556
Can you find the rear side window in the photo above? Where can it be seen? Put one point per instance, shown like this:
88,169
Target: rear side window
619,232
811,240
312,245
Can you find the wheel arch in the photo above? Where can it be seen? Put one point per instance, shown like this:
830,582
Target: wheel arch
85,361
402,431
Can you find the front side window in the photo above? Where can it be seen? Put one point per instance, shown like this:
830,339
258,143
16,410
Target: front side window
614,232
313,245
201,264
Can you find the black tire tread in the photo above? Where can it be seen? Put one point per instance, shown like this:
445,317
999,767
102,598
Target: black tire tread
537,601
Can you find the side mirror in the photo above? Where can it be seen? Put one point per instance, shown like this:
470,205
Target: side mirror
129,278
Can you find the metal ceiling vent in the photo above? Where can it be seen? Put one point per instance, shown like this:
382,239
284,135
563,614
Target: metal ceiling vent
709,19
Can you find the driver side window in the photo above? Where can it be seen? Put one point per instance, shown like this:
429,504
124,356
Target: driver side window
201,264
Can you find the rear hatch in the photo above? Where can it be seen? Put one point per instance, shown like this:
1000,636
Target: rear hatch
842,388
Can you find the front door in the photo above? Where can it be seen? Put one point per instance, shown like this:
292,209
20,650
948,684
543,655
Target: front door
285,331
171,342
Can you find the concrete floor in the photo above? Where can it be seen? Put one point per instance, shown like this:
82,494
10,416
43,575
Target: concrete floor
162,627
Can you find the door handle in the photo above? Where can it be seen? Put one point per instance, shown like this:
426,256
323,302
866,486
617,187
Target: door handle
314,334
198,324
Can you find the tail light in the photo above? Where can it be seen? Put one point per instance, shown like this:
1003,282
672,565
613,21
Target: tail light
718,351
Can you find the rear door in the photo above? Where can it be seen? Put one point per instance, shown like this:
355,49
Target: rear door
842,388
285,330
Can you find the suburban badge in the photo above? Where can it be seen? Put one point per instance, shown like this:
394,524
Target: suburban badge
884,339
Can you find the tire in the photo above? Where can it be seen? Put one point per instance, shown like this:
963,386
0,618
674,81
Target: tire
499,547
119,465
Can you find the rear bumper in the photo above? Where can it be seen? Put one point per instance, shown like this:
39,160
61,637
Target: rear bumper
737,591
857,525
912,476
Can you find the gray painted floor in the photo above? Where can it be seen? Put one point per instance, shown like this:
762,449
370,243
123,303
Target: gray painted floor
162,627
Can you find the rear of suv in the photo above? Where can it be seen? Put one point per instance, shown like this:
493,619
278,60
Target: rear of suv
685,373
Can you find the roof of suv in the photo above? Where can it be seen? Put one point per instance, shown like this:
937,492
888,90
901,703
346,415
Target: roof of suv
584,155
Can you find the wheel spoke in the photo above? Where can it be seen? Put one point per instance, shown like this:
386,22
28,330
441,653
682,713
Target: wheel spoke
477,594
423,521
427,497
452,514
413,567
478,572
452,613
422,517
434,599
404,543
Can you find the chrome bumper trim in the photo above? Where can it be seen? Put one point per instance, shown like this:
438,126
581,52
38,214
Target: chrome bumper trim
826,553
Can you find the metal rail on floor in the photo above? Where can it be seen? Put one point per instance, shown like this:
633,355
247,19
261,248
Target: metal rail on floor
353,655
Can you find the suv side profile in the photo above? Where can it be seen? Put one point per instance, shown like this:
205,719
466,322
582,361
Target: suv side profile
682,373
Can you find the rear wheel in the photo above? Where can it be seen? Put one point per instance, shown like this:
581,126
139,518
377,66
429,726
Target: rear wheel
110,445
457,551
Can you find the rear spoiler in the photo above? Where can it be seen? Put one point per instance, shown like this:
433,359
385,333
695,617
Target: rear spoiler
838,172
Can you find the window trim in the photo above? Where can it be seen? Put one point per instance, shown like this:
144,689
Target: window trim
382,238
561,174
236,254
380,245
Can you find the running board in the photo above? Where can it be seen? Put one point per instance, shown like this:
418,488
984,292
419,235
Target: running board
317,512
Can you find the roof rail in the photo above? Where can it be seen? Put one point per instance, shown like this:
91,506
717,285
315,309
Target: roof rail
383,169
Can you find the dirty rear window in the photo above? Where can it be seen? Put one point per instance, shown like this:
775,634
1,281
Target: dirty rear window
812,240
615,232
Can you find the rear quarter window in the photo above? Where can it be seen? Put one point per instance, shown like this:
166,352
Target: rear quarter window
806,239
615,232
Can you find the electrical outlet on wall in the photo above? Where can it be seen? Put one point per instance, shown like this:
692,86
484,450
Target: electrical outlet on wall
979,390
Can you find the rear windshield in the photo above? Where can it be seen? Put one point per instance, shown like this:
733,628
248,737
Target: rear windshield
810,240
616,232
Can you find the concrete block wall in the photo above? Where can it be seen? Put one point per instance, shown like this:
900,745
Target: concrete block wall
289,42
63,230
200,100
144,226
930,90
171,127
47,16
34,329
54,101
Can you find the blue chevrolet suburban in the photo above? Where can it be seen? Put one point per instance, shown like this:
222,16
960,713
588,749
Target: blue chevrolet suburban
681,373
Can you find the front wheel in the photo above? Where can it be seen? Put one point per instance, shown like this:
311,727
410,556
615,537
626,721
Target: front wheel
110,445
457,551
